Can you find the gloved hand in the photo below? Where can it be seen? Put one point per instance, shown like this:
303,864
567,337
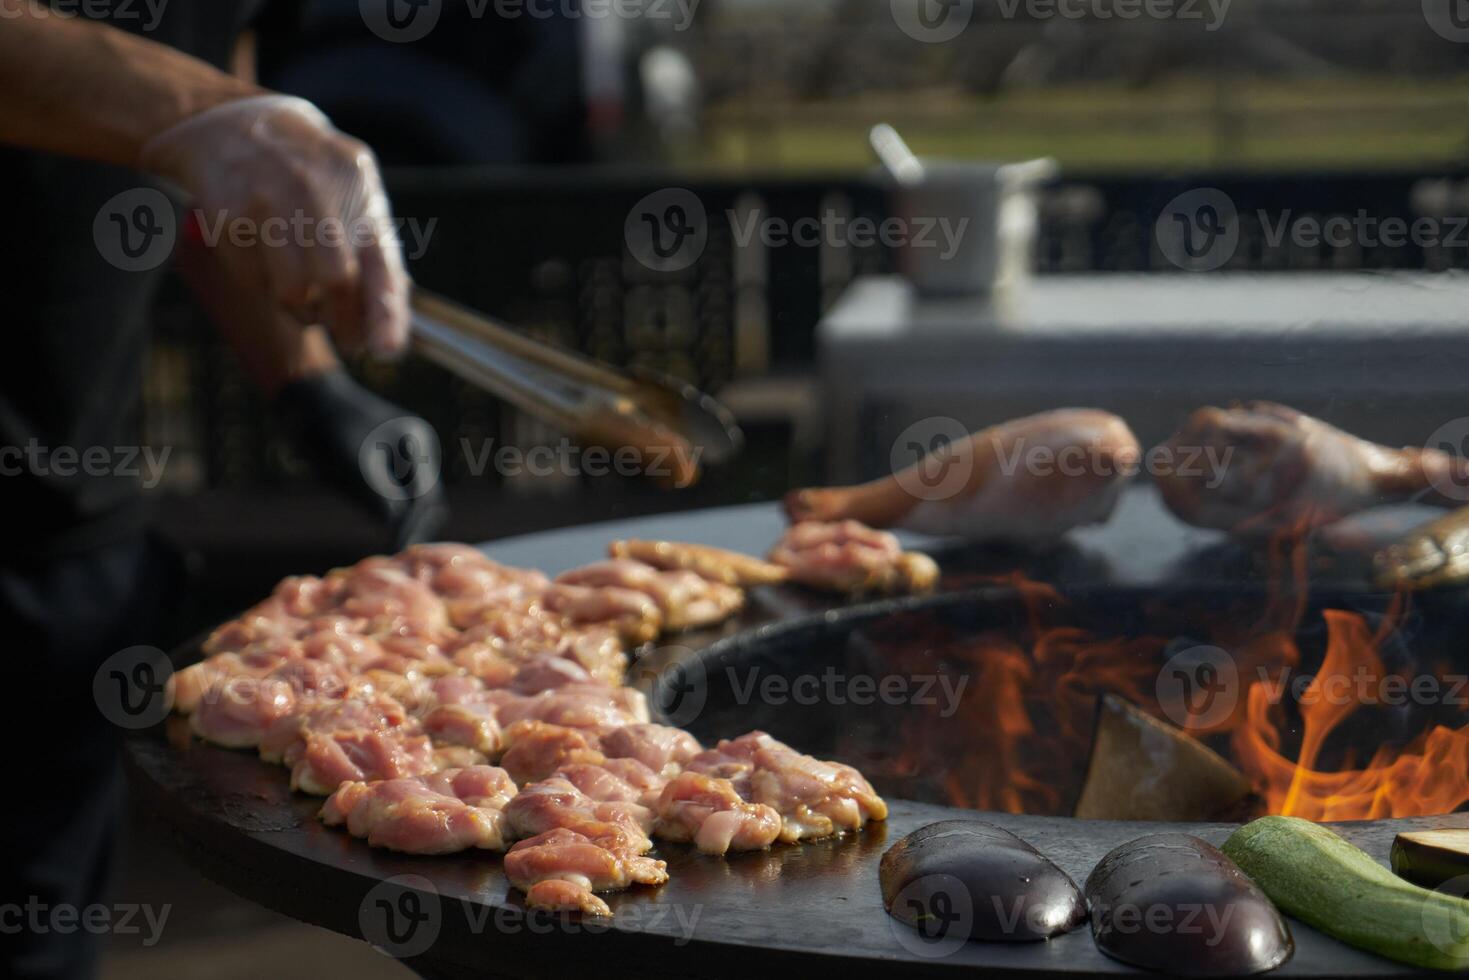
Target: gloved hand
371,449
324,245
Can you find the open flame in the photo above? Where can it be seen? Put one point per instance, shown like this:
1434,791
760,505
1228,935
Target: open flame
1024,727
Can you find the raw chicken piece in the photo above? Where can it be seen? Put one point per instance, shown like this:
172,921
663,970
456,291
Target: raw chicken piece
1261,467
707,811
850,557
556,802
287,614
388,598
615,781
457,757
285,741
685,599
560,869
502,644
635,616
205,680
714,564
537,749
469,582
1030,479
592,707
462,715
244,708
443,813
662,749
359,755
813,798
348,650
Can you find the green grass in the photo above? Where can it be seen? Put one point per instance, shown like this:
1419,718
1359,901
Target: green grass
1343,124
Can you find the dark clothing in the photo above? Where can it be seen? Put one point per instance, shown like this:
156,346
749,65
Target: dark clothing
79,580
77,324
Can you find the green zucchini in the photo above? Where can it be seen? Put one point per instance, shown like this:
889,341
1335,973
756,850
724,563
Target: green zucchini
1319,878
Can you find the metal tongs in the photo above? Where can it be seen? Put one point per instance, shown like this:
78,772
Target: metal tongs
673,426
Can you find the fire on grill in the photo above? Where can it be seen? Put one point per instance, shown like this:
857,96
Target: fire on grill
1125,706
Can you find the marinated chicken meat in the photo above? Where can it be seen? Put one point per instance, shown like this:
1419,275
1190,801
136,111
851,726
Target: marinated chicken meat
536,749
846,556
662,749
685,599
714,564
814,798
559,870
632,614
615,781
390,685
1261,467
332,758
707,812
441,813
1029,479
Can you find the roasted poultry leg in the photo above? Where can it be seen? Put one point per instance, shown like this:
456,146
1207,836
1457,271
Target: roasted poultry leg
1030,479
1279,469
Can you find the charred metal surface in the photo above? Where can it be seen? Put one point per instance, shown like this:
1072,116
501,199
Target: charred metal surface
814,906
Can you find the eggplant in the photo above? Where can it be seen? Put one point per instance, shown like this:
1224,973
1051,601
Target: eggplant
971,878
1175,903
1144,769
1431,857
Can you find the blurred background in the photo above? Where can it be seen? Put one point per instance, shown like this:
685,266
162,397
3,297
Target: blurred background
519,146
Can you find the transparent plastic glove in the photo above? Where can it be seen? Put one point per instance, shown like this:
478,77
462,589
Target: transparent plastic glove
298,207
